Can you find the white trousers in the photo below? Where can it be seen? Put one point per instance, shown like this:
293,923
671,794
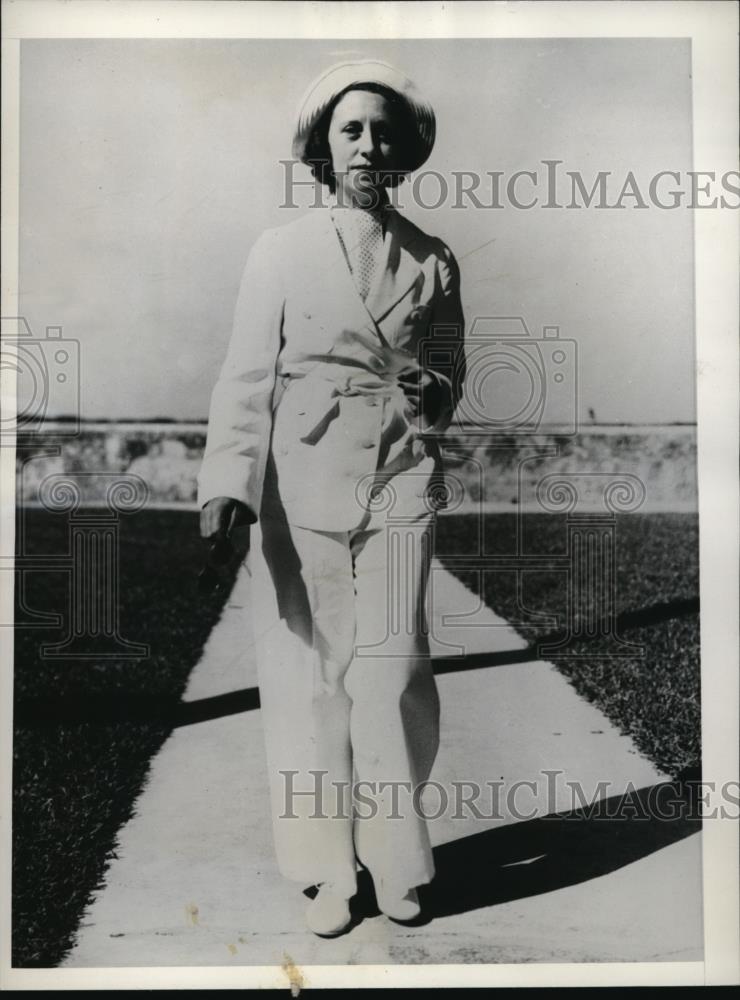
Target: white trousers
349,703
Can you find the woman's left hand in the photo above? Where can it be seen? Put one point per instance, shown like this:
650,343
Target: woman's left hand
423,393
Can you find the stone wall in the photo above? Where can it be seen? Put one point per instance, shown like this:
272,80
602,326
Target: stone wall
494,471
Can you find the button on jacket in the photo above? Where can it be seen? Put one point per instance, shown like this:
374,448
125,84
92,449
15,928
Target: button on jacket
307,415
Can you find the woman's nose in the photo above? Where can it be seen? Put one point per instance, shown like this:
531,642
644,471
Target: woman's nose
367,142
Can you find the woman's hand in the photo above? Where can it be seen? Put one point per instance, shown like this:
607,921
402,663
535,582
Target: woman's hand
217,516
423,393
224,519
225,523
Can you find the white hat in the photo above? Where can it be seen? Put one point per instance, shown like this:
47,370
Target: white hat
327,87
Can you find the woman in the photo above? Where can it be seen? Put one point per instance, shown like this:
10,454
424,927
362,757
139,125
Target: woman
321,436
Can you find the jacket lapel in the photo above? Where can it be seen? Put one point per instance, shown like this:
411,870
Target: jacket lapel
333,269
397,269
396,272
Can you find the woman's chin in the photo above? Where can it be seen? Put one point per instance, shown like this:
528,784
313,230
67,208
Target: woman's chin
368,194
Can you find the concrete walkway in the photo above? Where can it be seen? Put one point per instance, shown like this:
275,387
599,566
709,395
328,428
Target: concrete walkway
194,881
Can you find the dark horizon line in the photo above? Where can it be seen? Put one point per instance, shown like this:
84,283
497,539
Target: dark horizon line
65,419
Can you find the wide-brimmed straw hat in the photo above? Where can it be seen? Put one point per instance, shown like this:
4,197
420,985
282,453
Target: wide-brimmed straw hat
334,81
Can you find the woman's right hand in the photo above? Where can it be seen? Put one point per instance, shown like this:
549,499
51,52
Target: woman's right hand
215,517
221,516
225,523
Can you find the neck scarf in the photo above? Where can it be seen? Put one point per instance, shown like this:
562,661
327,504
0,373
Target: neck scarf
361,232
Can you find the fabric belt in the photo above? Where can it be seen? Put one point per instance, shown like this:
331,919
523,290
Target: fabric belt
345,381
352,377
353,383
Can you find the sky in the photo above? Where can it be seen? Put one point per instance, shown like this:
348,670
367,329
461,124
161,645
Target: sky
149,167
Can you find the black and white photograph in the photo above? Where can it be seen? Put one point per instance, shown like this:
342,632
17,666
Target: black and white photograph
369,530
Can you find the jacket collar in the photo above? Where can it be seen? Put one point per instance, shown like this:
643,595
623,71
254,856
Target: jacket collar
381,209
397,267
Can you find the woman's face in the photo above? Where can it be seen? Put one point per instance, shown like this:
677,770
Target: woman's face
364,146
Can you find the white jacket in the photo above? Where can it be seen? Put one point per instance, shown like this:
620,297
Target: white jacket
306,415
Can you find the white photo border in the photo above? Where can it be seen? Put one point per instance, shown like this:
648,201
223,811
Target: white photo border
712,27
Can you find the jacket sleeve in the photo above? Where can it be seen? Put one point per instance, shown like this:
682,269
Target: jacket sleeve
447,334
240,416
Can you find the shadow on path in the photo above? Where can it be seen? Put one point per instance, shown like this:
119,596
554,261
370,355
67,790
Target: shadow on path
122,707
551,852
642,618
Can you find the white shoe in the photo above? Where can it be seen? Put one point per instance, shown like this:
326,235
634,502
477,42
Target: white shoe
398,907
328,912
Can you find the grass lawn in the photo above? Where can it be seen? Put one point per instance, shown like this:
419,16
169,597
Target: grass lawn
654,697
85,730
